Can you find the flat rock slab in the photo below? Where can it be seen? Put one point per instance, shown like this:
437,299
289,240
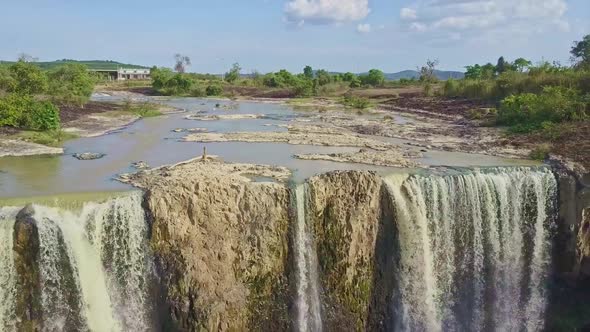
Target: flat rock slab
17,148
88,156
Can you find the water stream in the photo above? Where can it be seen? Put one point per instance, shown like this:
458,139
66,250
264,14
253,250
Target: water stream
308,305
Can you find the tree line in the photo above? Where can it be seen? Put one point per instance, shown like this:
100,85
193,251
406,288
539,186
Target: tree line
30,97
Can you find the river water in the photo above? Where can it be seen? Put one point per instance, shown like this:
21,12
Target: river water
152,140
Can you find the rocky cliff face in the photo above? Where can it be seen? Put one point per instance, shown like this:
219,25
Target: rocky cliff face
26,249
221,244
345,213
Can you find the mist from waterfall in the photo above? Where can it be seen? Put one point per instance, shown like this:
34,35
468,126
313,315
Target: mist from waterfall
474,249
308,305
93,264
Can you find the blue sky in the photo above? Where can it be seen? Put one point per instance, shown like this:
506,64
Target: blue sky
267,35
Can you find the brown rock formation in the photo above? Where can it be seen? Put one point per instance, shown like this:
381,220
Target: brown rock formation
221,243
345,213
26,254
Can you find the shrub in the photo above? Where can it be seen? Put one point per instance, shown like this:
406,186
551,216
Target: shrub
541,152
527,112
71,84
356,102
27,78
198,91
22,111
214,90
451,88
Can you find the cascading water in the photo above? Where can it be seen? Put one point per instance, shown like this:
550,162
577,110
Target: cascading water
7,270
474,249
308,305
93,265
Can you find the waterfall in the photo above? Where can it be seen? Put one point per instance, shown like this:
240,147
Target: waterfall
7,269
93,266
308,305
474,249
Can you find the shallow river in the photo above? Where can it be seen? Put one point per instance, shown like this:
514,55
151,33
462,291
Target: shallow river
153,141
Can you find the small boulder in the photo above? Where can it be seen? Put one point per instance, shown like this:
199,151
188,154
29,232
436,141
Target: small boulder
88,156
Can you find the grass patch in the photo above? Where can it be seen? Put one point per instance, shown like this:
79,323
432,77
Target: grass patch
356,102
55,138
144,110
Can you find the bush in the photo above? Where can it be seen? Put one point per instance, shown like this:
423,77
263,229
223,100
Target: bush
27,78
214,90
22,111
527,112
198,91
71,84
356,102
541,152
451,88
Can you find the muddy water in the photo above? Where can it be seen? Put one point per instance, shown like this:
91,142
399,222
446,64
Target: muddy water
152,140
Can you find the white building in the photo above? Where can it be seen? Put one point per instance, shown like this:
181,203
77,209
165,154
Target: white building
122,74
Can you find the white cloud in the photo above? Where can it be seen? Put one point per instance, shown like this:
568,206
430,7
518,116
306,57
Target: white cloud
326,11
363,28
408,14
452,16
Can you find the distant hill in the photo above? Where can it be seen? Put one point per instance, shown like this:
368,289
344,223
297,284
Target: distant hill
92,64
409,74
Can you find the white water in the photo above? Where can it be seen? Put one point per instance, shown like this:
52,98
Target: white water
465,237
93,265
7,269
308,305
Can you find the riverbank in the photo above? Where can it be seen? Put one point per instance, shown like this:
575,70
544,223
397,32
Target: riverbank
95,118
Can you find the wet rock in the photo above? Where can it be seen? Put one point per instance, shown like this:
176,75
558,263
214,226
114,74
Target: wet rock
178,130
140,165
27,248
88,156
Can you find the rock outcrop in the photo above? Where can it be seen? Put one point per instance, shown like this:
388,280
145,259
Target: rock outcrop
345,213
26,254
221,244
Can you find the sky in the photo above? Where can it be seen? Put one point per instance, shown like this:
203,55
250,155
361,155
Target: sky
268,35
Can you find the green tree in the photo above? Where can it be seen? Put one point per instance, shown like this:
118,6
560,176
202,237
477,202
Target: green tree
348,77
28,78
234,73
522,64
308,72
375,77
356,82
581,52
71,84
473,72
323,77
502,66
488,71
